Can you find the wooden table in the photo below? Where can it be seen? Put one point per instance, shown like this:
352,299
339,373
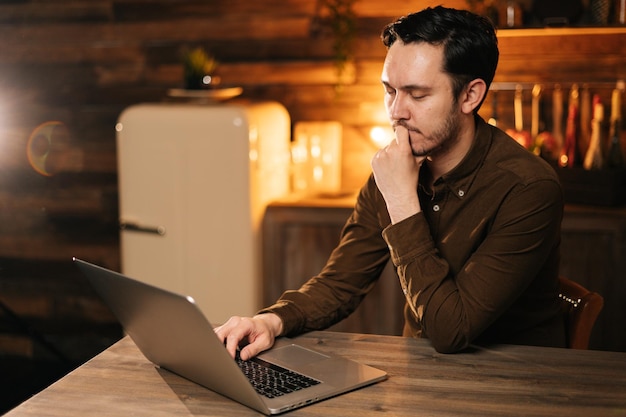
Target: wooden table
500,381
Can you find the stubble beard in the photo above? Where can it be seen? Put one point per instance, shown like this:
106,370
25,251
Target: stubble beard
440,140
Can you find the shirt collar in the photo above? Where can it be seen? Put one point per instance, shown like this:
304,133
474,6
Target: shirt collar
461,177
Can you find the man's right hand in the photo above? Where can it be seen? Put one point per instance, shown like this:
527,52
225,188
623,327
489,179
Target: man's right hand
396,172
259,332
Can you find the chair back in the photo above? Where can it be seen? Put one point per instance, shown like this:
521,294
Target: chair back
581,308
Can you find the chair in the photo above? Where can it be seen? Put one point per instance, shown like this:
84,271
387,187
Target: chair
581,308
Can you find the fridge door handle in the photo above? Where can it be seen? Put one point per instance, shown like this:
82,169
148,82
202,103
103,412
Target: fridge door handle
136,227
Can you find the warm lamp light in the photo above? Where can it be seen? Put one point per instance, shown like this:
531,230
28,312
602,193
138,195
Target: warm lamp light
316,157
381,135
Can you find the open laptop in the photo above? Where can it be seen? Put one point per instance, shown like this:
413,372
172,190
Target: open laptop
172,332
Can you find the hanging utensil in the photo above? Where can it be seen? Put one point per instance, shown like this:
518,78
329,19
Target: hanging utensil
543,141
585,120
557,116
615,158
534,111
569,152
593,158
519,134
493,120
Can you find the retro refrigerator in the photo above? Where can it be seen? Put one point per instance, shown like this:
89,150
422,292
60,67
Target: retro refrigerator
194,181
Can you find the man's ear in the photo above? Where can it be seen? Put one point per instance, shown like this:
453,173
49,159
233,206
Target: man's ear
473,95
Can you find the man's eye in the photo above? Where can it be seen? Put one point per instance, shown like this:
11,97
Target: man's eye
417,96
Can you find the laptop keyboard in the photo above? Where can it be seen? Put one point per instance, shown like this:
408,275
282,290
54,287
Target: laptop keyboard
271,380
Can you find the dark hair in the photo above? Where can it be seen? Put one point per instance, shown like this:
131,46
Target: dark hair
469,41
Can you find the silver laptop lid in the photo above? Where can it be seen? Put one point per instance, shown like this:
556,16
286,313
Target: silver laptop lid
172,332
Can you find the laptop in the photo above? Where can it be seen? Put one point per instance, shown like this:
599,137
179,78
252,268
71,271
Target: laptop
172,332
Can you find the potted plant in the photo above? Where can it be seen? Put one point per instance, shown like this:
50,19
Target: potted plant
198,68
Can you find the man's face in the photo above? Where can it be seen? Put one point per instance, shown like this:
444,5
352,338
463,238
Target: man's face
419,96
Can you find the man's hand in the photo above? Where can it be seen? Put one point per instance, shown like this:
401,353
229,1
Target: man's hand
396,171
259,331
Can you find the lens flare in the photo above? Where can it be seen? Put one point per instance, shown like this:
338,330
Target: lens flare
45,141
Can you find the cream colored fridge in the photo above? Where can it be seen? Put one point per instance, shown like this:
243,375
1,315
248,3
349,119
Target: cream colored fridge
194,181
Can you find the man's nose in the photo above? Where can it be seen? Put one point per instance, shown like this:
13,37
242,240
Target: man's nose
398,109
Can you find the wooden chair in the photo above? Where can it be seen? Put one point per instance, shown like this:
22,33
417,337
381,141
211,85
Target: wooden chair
581,308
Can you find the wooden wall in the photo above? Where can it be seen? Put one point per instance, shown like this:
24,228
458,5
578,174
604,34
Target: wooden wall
81,62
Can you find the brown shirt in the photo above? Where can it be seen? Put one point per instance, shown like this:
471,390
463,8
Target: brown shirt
479,264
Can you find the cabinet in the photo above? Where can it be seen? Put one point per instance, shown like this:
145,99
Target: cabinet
299,235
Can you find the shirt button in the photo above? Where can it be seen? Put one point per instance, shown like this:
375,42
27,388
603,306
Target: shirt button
461,193
436,207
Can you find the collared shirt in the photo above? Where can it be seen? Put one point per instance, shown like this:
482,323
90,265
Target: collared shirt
478,264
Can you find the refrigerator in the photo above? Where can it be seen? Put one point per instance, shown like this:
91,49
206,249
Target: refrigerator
194,181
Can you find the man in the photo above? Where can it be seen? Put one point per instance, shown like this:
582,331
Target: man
470,219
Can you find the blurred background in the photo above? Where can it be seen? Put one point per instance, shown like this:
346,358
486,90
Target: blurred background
69,68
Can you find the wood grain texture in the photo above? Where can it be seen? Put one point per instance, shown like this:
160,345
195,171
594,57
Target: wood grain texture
82,62
496,381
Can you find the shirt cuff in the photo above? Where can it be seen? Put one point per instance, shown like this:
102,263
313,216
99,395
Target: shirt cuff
408,239
289,314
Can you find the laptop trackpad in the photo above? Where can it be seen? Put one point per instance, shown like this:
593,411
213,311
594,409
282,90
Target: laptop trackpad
293,355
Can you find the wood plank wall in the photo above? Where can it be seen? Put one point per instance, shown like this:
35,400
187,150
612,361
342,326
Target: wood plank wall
81,62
